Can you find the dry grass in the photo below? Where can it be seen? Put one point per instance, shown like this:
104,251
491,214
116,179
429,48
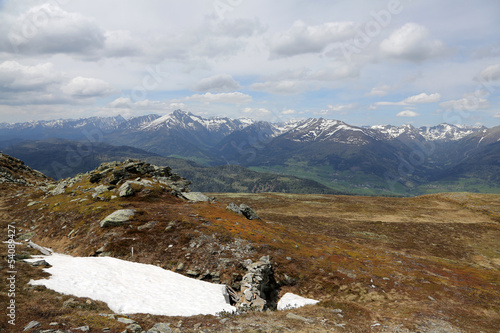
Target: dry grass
380,260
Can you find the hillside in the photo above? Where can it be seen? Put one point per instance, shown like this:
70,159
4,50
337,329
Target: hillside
422,264
61,158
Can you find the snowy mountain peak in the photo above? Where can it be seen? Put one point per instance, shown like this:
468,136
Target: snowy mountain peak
447,132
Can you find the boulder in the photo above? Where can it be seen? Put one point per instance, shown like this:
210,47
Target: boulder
248,212
31,324
126,190
160,328
195,196
234,208
117,218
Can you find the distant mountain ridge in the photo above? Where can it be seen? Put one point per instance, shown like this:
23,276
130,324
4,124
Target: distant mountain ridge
380,159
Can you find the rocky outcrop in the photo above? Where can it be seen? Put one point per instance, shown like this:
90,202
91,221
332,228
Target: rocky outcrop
196,197
244,210
14,171
259,289
117,218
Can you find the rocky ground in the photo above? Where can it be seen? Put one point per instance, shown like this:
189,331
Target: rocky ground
426,264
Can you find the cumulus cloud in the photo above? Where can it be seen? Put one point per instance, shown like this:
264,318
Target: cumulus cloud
217,83
17,77
469,102
231,98
284,87
289,111
490,73
337,108
84,87
302,38
412,42
48,28
408,113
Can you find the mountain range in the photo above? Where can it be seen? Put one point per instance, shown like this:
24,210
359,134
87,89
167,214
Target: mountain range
381,159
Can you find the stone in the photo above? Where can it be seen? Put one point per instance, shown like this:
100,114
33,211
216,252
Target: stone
195,197
248,212
82,328
117,218
234,208
59,189
193,272
40,263
126,320
180,267
98,190
96,178
134,328
31,324
126,190
160,328
70,303
149,225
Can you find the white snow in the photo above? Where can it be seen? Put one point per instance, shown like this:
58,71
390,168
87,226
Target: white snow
129,287
291,301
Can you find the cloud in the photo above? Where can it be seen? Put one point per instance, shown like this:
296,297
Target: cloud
496,115
83,87
289,111
490,73
380,90
422,98
284,87
469,102
302,39
17,77
217,83
147,105
48,29
411,42
231,98
338,108
408,113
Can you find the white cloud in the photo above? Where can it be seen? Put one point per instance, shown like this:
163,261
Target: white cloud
289,111
469,102
48,28
83,87
408,113
231,98
302,39
126,103
412,42
17,77
284,87
409,101
496,115
490,73
380,90
338,108
217,83
422,98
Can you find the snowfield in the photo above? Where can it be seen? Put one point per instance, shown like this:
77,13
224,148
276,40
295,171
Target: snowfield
128,287
292,301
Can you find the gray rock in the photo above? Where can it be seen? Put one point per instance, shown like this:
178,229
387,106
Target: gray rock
31,324
126,190
126,320
248,212
59,189
160,328
98,190
134,328
148,225
117,218
234,208
40,263
195,196
82,328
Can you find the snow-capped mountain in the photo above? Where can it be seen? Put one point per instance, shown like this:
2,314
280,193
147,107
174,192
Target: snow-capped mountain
447,132
328,130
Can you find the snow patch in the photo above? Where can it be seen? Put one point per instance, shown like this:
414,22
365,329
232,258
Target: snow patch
128,287
292,301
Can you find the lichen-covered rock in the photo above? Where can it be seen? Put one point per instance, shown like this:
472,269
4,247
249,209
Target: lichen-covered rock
248,212
160,328
195,197
126,190
117,218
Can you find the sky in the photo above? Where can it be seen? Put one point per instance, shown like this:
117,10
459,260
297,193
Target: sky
365,62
